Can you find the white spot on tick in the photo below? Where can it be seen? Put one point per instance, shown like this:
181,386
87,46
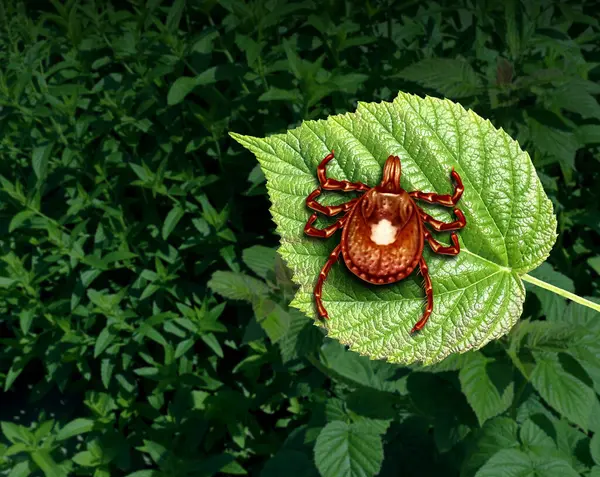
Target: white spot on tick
383,232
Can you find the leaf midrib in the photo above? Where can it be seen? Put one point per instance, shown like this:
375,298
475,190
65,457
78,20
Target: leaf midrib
464,175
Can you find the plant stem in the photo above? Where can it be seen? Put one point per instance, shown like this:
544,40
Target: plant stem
561,292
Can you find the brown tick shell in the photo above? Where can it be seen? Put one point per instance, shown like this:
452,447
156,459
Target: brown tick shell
381,264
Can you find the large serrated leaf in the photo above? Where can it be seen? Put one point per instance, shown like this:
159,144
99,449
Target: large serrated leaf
348,450
478,294
515,463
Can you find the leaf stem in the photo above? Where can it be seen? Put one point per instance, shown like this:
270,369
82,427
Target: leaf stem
561,292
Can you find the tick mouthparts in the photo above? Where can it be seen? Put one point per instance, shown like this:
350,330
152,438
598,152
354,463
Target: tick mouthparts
392,170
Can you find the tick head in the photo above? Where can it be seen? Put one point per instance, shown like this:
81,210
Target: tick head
395,207
392,170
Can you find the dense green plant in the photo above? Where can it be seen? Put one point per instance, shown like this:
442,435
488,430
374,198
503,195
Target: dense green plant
146,327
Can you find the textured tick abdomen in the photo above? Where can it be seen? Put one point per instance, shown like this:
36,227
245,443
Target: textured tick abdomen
367,245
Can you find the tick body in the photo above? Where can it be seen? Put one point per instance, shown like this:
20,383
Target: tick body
383,231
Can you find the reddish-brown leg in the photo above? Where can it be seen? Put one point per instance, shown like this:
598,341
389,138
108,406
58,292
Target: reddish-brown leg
328,210
333,256
442,199
327,231
429,292
333,184
437,247
440,226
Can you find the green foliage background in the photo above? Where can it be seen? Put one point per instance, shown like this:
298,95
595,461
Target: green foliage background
145,327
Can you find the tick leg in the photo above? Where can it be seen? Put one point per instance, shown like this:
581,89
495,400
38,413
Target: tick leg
333,256
437,247
442,199
440,226
328,210
333,184
429,292
322,233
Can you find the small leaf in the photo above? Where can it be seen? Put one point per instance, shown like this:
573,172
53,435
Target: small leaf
237,286
564,391
6,282
274,320
106,370
85,459
451,77
180,89
594,262
20,219
496,434
173,218
183,347
514,463
174,16
105,338
186,84
481,392
261,260
75,428
49,467
39,160
277,94
348,450
15,433
118,256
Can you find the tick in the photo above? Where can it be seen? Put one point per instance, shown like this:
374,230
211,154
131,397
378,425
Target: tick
383,230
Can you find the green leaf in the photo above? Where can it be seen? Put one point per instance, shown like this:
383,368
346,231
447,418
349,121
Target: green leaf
359,369
348,450
478,295
15,433
573,97
85,459
589,133
273,319
19,219
480,390
39,160
237,286
301,338
277,94
144,473
74,428
49,467
564,391
175,13
6,282
496,434
453,78
173,218
106,370
105,338
594,262
595,447
554,142
514,463
180,89
22,469
259,259
186,84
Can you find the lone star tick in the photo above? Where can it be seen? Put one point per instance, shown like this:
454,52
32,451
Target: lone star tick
383,230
